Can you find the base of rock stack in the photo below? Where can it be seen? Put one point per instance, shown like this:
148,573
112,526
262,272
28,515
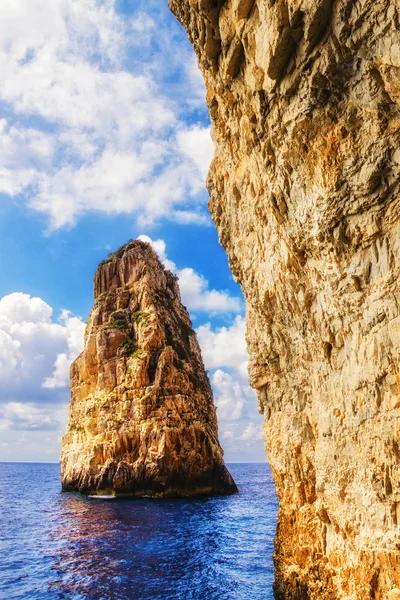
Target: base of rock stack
120,481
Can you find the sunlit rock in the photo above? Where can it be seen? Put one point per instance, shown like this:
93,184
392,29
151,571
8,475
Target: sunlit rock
142,419
304,100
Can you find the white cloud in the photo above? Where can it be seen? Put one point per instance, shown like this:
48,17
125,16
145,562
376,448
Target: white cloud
26,417
103,136
35,351
225,346
9,354
74,330
229,396
197,296
143,27
252,432
198,89
32,432
224,353
242,434
197,144
194,287
20,308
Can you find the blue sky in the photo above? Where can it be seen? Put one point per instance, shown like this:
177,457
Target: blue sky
104,137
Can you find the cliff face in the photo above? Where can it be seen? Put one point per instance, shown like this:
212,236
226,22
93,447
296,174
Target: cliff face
304,99
142,419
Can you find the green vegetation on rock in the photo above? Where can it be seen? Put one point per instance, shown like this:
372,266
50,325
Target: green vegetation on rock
104,262
139,317
118,320
128,348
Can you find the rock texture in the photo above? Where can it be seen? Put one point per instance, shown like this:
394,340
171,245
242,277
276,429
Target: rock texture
142,419
304,98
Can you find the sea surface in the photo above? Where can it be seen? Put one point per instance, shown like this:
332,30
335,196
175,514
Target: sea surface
56,545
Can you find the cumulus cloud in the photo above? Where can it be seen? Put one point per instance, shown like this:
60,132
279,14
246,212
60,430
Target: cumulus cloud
74,329
103,136
244,433
224,352
252,431
196,143
26,417
35,351
9,354
229,396
197,296
195,292
22,151
197,87
225,346
31,431
18,308
35,354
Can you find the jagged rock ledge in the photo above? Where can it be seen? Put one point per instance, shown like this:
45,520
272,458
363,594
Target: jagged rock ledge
142,420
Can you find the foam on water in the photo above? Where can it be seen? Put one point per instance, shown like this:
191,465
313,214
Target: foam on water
102,497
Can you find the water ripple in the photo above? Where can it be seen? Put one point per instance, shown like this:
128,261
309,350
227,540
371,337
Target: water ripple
63,546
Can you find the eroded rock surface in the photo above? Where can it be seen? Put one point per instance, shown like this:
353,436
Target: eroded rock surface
304,99
142,419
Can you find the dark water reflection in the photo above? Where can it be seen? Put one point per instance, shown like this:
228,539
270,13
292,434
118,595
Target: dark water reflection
56,545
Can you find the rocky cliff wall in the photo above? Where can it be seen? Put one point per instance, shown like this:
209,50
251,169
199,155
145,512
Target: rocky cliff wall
304,100
142,419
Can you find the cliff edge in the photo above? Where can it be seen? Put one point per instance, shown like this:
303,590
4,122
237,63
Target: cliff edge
304,99
142,420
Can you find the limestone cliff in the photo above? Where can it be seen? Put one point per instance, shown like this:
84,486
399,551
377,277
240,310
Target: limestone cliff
142,419
304,99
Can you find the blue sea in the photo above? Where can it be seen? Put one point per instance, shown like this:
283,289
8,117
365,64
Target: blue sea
56,545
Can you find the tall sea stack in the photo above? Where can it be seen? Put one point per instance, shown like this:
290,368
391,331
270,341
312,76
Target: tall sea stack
142,420
304,97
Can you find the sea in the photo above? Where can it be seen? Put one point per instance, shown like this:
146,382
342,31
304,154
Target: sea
57,545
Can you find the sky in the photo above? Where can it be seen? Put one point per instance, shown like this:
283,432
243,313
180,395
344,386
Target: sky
105,137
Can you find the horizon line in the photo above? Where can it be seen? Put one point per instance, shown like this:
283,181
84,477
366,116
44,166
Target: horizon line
55,462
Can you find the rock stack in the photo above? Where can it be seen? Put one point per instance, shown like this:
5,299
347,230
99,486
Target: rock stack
142,420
